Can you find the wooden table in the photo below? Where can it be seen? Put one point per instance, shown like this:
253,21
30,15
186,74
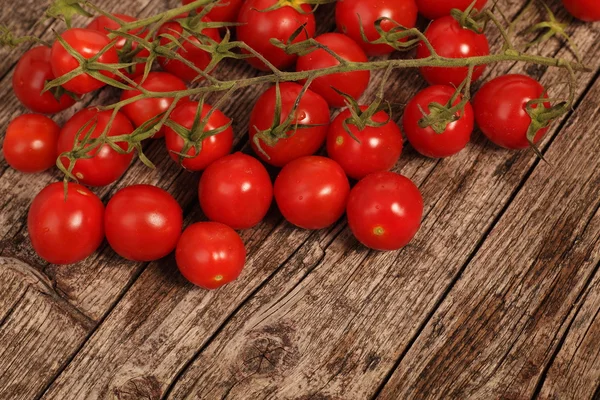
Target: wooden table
497,296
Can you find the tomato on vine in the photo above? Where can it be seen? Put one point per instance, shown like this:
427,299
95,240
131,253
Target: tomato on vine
31,74
585,10
88,43
223,11
384,211
30,143
187,48
304,134
210,254
144,110
311,192
352,83
104,165
455,135
65,231
192,127
236,190
355,17
375,147
143,223
259,26
434,9
500,107
451,40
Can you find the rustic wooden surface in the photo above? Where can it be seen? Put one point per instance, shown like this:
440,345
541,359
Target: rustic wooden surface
497,296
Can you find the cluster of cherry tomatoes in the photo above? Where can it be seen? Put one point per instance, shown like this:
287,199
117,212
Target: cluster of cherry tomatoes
144,223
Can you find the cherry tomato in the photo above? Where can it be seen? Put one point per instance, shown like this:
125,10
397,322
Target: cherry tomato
189,50
213,147
31,73
143,223
500,110
224,11
425,140
88,43
378,148
30,143
105,24
145,110
259,26
451,40
210,254
303,141
65,231
384,211
434,9
585,10
311,192
243,184
106,165
347,12
351,83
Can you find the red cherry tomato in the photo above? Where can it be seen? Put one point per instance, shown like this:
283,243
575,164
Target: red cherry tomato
378,149
425,140
258,27
213,147
106,165
243,184
31,73
585,10
347,13
312,110
143,223
434,9
351,83
224,11
104,24
385,210
145,110
88,43
188,50
500,110
451,40
65,232
30,143
210,254
311,192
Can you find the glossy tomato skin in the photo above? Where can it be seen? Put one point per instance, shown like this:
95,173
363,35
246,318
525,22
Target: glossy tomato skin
65,232
242,184
30,143
224,11
213,147
311,192
210,254
145,110
585,10
258,27
104,24
143,223
425,140
189,51
88,43
107,165
451,40
378,150
312,110
352,83
500,110
384,211
434,9
31,73
403,12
